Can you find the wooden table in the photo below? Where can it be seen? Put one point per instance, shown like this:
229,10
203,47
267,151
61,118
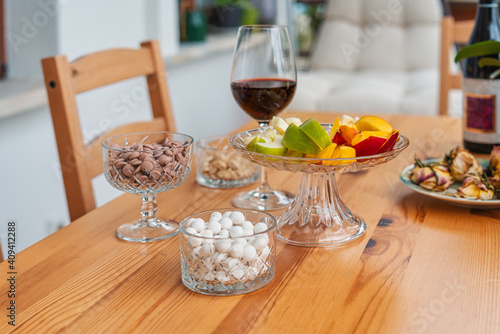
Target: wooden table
421,267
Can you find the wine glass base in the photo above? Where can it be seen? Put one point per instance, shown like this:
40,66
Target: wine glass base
255,200
154,230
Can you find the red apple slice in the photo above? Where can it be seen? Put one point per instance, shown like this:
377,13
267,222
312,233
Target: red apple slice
390,143
367,144
338,139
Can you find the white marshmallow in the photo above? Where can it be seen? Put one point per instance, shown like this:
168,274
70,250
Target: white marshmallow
238,273
230,263
259,243
237,217
210,276
223,246
189,222
247,232
259,227
236,231
206,250
214,226
264,254
247,224
226,223
226,214
237,251
241,241
196,252
198,224
252,272
224,234
216,215
207,233
194,241
191,230
249,253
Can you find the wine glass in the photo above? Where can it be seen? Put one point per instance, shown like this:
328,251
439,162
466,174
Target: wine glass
145,164
263,81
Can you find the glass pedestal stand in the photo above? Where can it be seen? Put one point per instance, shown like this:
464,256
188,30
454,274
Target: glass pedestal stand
318,216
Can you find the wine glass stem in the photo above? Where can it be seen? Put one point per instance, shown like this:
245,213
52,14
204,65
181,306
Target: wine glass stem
148,208
263,184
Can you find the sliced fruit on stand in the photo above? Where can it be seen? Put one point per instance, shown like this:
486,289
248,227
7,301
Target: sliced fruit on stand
373,123
294,154
343,152
338,139
347,132
346,119
327,153
273,148
296,139
390,143
316,132
279,124
369,142
335,128
269,135
295,120
252,141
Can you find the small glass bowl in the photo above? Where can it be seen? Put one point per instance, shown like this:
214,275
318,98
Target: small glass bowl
220,166
225,265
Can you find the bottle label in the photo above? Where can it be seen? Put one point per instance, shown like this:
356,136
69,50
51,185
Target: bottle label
481,110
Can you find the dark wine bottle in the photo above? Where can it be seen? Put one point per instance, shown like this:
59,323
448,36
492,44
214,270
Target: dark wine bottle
481,93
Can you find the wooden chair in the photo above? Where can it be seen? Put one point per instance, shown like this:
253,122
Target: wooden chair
452,33
63,80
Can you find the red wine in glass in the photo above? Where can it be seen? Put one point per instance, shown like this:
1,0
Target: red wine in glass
263,98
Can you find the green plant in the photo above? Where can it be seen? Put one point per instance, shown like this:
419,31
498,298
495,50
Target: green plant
485,48
232,3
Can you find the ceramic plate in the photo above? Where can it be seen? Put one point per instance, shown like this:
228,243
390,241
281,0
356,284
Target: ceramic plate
447,195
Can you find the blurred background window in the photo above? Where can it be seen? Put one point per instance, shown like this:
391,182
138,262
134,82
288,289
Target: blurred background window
307,18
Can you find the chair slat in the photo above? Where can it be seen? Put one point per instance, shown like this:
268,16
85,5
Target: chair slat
106,67
452,33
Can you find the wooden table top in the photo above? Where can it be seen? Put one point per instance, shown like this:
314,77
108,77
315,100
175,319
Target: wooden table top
422,266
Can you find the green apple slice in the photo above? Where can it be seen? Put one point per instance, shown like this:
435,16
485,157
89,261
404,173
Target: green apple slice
273,148
315,131
279,124
269,135
295,120
297,140
294,154
251,144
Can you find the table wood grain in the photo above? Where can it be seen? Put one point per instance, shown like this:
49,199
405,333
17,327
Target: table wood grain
422,266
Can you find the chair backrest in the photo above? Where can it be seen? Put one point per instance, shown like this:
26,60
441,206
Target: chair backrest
81,162
452,33
381,35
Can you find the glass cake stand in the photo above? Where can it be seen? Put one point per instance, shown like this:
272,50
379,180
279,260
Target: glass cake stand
317,216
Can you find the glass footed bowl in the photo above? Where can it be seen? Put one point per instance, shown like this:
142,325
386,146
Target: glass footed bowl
145,164
317,216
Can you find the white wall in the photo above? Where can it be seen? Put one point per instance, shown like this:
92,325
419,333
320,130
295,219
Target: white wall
31,191
31,30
